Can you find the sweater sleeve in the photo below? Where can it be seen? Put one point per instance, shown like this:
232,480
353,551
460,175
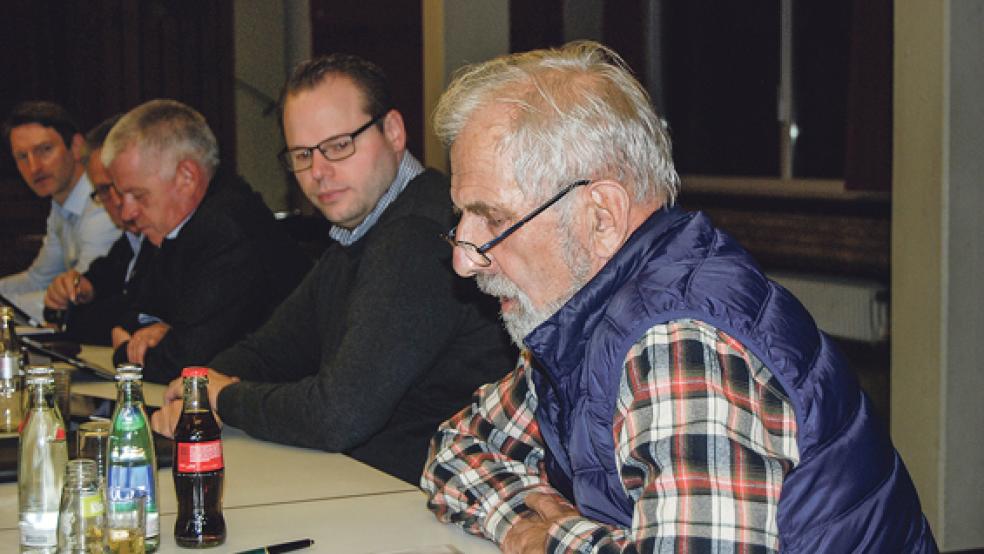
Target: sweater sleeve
398,316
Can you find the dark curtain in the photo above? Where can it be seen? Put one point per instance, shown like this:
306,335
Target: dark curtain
100,57
389,34
868,160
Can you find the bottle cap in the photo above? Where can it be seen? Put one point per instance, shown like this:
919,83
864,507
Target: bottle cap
194,372
39,379
129,372
40,370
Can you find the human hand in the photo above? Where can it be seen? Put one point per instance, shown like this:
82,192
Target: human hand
144,338
69,287
118,336
166,419
530,534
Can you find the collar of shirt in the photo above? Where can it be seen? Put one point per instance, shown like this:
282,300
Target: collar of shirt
177,230
409,168
135,240
77,199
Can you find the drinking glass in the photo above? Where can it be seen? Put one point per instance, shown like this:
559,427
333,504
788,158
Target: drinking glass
126,520
93,440
63,393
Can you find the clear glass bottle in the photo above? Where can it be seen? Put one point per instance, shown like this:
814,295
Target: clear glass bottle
42,455
82,513
11,403
132,462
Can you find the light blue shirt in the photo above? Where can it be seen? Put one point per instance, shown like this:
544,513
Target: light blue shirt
136,241
78,232
409,168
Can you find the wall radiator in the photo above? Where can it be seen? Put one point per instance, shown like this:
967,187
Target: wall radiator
850,308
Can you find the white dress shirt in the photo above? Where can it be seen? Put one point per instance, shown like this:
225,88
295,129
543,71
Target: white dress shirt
79,231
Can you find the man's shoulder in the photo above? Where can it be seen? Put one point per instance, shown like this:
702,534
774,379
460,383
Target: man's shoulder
231,209
425,197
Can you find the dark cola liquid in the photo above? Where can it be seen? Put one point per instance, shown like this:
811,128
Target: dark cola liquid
199,522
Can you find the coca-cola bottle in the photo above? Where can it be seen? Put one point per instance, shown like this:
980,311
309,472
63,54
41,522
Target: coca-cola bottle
198,467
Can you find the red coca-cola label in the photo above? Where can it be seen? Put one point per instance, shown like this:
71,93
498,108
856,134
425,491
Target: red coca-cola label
199,457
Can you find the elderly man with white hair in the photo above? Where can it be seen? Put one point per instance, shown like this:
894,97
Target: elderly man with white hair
669,397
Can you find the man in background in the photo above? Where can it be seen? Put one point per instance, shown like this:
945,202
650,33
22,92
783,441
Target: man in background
381,341
222,264
50,155
95,301
670,397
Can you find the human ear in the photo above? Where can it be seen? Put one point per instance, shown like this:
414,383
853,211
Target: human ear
608,217
77,147
188,174
394,130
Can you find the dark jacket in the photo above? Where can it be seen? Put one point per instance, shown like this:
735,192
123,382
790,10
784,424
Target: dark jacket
221,277
379,344
91,323
850,491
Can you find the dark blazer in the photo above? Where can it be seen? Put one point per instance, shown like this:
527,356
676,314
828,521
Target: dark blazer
220,278
91,323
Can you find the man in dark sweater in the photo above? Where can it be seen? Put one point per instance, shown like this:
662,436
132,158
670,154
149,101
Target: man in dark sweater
381,340
222,264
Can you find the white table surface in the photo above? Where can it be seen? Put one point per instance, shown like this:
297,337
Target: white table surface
383,524
276,493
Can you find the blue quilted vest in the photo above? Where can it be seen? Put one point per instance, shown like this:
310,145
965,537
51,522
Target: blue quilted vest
849,493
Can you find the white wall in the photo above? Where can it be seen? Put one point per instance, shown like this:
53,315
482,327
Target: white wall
963,342
259,51
937,260
457,32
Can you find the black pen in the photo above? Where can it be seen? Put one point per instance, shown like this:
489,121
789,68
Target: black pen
282,547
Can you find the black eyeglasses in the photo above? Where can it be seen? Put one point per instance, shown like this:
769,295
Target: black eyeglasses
102,192
477,253
334,149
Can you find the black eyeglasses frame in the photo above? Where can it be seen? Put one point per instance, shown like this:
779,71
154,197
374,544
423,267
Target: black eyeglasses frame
482,259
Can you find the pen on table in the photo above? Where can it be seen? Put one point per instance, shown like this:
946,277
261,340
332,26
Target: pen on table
75,287
281,547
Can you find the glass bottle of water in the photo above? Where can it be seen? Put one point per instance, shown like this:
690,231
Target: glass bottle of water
131,462
82,515
42,455
11,407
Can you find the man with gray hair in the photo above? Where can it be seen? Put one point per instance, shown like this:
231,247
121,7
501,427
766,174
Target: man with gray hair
669,397
222,265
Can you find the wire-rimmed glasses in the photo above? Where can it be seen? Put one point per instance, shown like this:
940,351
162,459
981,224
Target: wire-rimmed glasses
102,193
477,253
334,149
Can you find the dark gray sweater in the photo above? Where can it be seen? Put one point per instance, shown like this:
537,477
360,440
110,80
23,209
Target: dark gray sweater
378,345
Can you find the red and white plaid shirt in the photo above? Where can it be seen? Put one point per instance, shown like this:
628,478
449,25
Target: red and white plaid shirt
704,437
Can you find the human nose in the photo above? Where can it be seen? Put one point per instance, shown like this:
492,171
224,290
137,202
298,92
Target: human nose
464,263
320,166
130,209
33,163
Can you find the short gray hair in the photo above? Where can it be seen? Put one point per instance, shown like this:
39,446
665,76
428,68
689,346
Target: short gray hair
167,128
577,112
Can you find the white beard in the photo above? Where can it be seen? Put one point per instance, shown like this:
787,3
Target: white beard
525,316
